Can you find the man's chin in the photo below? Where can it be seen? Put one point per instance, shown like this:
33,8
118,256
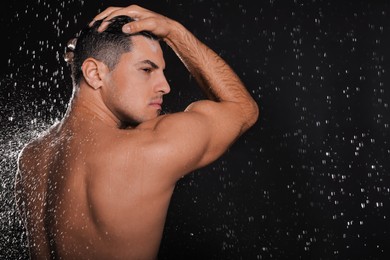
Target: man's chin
131,123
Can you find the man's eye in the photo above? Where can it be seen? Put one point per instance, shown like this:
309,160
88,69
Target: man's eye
148,70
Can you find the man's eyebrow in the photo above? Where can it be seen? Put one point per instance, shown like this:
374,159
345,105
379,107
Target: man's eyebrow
149,62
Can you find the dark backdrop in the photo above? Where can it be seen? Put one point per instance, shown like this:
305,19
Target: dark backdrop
309,181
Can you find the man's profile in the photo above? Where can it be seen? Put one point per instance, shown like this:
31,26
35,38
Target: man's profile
97,185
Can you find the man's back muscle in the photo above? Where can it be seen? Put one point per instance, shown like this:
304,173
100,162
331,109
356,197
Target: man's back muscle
93,193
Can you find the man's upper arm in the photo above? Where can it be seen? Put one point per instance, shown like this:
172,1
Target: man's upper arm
192,139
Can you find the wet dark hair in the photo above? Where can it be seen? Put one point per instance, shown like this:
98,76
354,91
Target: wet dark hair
106,46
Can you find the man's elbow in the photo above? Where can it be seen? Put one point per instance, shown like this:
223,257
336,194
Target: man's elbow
251,115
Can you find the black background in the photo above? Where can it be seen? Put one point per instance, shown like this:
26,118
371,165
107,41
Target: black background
309,181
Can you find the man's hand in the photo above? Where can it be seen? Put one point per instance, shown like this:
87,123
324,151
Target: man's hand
145,20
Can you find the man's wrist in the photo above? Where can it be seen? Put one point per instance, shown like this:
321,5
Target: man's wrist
176,33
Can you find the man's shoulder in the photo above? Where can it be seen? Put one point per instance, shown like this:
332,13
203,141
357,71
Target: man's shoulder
35,146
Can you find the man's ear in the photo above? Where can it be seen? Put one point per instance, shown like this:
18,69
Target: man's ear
93,72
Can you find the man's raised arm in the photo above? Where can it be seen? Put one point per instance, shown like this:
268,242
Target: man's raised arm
219,82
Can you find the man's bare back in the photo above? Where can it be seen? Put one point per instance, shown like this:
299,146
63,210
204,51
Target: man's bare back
88,199
97,186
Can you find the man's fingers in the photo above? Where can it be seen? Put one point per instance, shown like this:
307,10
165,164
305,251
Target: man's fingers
142,21
147,24
107,12
134,13
145,20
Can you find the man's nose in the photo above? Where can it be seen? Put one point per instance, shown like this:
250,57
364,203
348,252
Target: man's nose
163,86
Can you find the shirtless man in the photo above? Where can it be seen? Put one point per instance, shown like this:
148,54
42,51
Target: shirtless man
97,185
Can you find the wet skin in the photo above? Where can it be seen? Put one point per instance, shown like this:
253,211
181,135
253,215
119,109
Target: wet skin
92,185
97,185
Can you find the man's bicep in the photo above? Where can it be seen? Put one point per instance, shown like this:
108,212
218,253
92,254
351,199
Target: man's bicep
184,138
221,125
198,136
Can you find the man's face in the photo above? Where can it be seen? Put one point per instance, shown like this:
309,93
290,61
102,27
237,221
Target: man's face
134,89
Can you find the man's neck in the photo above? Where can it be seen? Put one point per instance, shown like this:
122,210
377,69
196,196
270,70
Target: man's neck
87,104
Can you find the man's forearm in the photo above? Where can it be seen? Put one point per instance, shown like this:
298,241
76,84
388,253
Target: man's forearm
219,82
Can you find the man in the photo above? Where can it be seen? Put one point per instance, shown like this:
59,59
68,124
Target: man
97,185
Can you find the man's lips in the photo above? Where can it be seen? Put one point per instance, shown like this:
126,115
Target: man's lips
156,103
